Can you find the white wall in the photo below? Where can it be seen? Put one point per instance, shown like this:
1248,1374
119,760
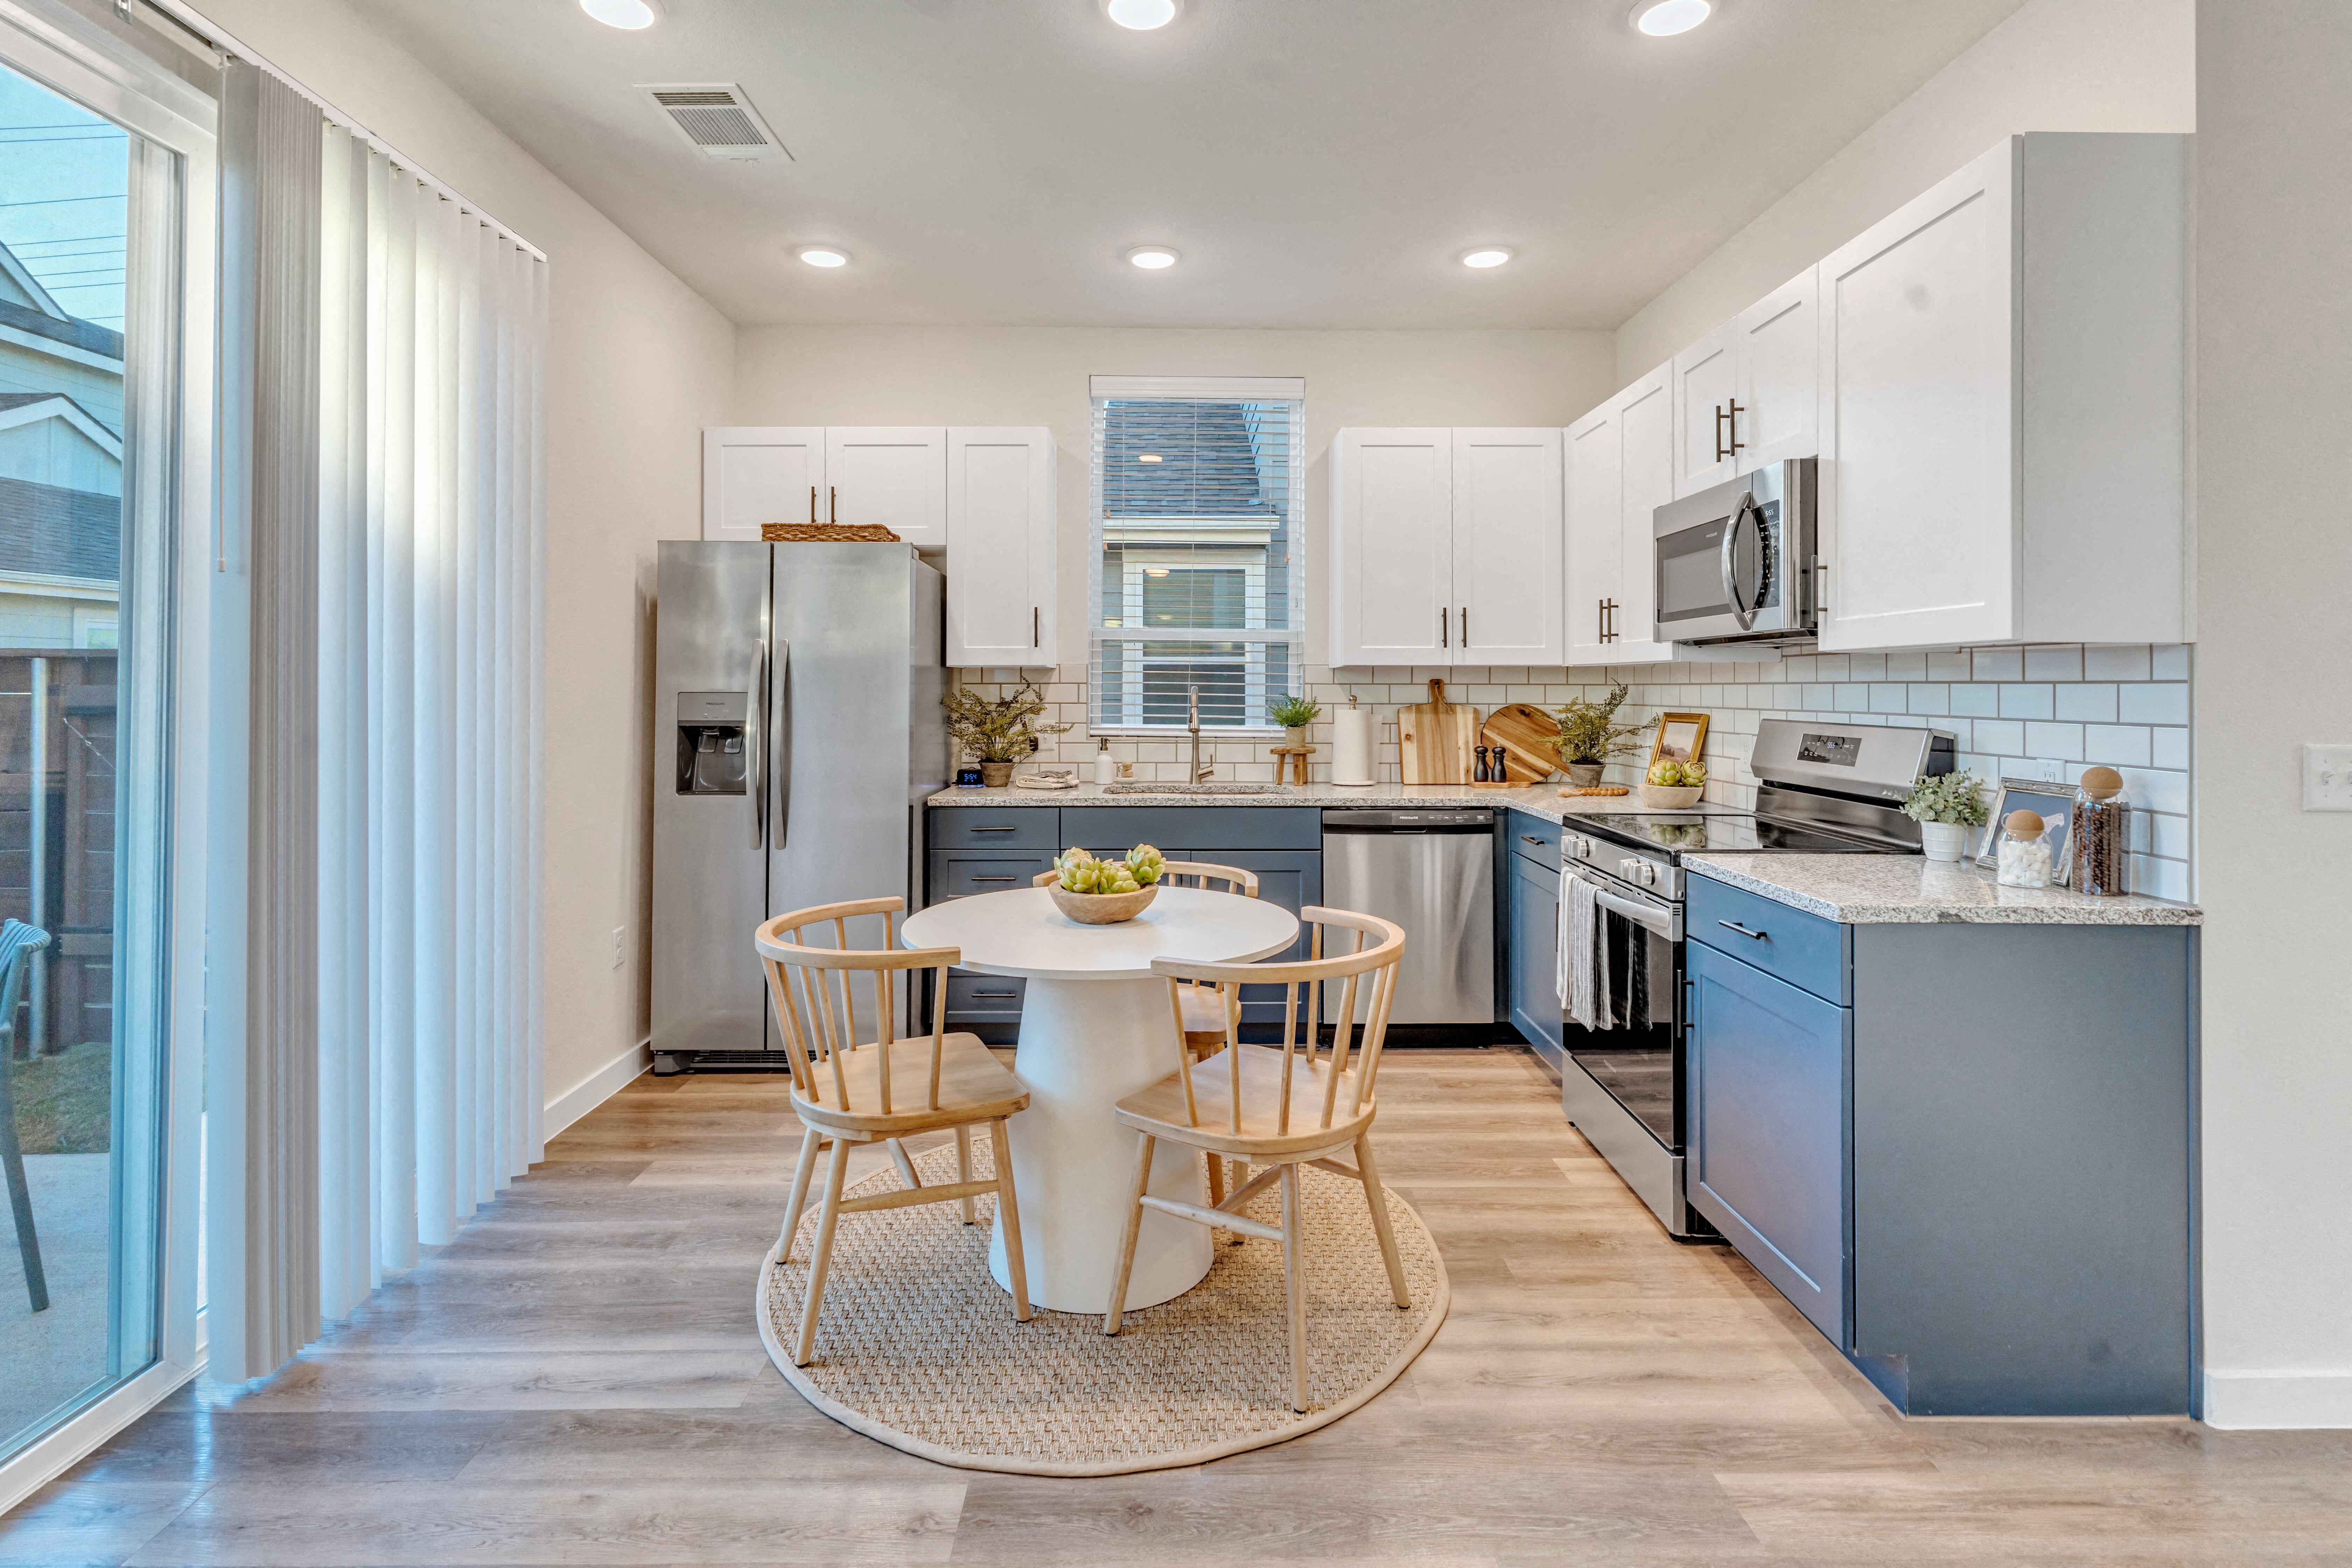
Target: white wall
2054,65
2274,669
638,365
1016,376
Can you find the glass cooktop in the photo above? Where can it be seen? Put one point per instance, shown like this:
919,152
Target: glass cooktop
1679,832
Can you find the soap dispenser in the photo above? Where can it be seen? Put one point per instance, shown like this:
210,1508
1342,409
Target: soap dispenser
1106,767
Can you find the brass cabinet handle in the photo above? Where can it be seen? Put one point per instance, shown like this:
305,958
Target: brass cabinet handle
1037,620
1465,625
1731,418
1752,935
1719,453
812,506
833,503
1444,639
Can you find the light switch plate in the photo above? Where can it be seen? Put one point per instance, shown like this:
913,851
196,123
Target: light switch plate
2326,778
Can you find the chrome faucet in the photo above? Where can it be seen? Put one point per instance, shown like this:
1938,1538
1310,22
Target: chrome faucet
1193,725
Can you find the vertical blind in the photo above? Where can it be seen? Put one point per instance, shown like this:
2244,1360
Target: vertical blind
1199,574
431,573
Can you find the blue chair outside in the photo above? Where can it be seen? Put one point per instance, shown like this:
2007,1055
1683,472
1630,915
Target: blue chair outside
19,942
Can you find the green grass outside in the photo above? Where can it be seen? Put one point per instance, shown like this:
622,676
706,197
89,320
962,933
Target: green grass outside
64,1102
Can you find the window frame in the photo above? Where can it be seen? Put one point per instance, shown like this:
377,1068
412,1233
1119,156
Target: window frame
1259,579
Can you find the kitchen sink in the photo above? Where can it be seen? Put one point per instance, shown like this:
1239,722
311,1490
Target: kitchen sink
1138,786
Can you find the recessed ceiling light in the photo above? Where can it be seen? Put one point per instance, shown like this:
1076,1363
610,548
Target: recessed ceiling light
1664,19
1152,257
822,255
629,16
1142,16
1486,256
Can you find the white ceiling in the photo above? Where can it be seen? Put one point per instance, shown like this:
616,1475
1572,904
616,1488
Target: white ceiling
1318,163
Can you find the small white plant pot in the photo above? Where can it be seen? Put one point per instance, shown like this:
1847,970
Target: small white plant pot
1943,840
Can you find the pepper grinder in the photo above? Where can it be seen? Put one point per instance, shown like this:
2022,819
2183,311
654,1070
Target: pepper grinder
1481,774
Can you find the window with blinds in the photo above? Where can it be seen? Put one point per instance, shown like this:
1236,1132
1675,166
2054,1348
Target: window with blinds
1198,584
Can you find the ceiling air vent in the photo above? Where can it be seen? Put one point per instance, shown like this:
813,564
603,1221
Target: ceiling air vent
717,118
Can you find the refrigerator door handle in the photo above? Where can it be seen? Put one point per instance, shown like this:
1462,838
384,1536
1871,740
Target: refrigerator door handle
755,708
783,763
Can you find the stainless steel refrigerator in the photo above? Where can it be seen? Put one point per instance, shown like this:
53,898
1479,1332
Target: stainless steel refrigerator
797,732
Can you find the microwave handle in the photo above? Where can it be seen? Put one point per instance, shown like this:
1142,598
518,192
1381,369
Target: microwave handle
1749,514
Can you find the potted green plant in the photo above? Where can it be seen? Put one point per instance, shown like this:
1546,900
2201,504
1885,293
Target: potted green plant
1946,806
1589,735
1294,714
996,731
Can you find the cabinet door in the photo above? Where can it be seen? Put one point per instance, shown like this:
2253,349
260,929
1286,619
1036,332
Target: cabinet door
756,474
1780,346
1291,878
890,475
1596,537
1392,547
1506,547
1918,505
1706,387
1646,412
1769,1130
1000,544
1534,961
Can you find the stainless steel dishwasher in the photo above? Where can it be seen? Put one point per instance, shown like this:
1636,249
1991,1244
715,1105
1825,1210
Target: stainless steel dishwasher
1433,872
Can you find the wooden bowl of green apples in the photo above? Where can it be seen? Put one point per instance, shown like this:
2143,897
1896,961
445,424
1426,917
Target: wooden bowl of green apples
1098,892
1674,786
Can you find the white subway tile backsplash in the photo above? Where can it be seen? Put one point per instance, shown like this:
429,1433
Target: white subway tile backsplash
2169,663
2054,664
1977,701
2115,663
2063,742
1850,699
1948,664
2025,701
2170,748
2162,702
1999,664
2091,704
1885,697
2118,745
1930,697
2003,735
1866,666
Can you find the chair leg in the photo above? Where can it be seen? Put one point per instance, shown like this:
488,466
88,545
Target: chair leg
1216,1185
963,1170
1236,1178
1377,1197
1115,1311
800,1174
20,1197
822,1263
1008,1208
905,1167
1293,1278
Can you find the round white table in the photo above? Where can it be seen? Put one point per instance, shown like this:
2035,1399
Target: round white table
1095,1028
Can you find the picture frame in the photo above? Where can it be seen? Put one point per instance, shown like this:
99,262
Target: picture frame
2053,801
1682,738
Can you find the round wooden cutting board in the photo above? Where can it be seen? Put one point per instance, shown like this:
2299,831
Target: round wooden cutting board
1524,729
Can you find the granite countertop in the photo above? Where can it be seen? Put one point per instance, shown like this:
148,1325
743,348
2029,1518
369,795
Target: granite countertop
1909,889
1543,800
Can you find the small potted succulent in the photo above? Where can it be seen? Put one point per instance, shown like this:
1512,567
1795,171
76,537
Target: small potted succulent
1104,892
1294,714
997,732
1672,785
1589,735
1946,806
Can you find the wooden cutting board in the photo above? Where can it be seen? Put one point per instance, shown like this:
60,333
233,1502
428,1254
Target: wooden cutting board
1524,730
1434,738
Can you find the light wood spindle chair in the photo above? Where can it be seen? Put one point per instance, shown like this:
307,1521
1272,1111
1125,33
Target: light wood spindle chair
847,1092
1276,1106
1202,1008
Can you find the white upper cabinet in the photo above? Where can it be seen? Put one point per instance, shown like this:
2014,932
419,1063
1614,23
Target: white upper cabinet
2001,418
1595,532
1000,538
1646,415
1706,411
1506,547
1391,539
893,475
754,475
1778,342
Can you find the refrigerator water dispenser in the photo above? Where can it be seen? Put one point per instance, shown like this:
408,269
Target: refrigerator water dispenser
712,758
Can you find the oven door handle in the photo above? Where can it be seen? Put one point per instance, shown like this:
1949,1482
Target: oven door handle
1668,923
1749,514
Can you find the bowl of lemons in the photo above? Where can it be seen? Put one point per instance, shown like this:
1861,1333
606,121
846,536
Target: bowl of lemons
1100,892
1674,786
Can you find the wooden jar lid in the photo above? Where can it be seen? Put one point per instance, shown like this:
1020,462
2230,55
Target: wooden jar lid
2102,783
2024,824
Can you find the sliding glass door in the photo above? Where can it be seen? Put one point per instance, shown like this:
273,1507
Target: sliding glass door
91,307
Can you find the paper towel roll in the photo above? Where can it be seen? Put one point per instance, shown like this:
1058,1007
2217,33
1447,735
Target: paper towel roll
1352,746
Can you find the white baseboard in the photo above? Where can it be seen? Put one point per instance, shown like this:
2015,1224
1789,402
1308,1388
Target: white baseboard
2258,1401
77,1438
596,1088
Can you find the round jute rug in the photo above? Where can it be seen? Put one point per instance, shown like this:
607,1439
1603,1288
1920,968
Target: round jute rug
917,1346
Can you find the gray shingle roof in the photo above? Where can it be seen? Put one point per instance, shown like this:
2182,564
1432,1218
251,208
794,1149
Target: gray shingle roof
79,334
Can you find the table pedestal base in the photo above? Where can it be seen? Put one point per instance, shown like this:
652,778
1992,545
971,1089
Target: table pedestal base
1084,1046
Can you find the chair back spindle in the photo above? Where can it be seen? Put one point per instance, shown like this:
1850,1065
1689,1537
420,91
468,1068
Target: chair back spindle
812,989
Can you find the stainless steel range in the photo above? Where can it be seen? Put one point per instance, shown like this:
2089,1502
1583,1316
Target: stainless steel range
1829,789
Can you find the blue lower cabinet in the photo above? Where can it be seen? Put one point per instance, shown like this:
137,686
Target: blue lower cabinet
1770,1087
1533,956
1291,878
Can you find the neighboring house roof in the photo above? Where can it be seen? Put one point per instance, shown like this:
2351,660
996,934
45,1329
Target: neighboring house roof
11,401
1208,467
88,336
62,533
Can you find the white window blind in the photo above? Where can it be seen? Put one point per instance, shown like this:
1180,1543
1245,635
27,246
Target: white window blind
1199,582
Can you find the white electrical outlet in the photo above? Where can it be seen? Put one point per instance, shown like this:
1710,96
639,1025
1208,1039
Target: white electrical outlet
2054,772
2327,778
620,946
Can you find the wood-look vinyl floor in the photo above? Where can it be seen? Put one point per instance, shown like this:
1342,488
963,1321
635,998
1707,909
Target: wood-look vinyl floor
578,1380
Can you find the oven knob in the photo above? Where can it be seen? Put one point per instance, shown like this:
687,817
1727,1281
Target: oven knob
1630,869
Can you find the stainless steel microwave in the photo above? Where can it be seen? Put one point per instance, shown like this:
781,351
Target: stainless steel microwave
1736,560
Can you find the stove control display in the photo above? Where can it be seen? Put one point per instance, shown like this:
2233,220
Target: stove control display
1837,750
